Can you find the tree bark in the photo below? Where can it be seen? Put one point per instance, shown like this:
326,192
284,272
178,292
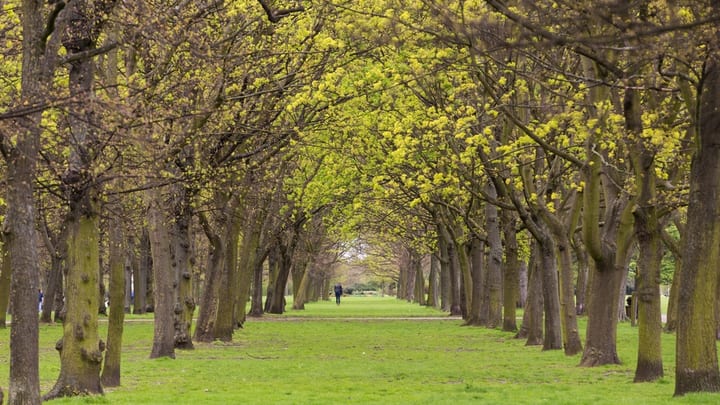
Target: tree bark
551,298
434,283
19,233
256,307
696,347
80,347
446,284
493,281
141,274
110,376
511,273
5,276
561,240
205,324
478,267
648,235
163,279
180,249
419,290
581,284
301,291
532,326
224,317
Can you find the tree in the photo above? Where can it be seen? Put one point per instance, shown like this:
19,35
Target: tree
696,350
110,376
80,347
19,235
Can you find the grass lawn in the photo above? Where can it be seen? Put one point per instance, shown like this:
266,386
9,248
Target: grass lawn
353,353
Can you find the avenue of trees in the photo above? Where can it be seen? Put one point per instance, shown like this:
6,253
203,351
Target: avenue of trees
197,158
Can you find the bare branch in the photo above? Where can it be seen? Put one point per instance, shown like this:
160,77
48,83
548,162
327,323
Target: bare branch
79,56
277,15
52,18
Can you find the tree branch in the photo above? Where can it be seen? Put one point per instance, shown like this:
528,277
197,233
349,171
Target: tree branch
52,18
76,57
277,15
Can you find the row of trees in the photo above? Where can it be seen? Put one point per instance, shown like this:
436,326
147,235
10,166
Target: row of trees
204,142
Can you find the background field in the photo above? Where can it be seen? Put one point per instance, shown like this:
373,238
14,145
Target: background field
353,353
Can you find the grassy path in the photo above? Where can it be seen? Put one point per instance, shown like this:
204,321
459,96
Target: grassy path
365,351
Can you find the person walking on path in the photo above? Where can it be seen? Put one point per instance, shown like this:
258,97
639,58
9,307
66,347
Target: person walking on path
338,293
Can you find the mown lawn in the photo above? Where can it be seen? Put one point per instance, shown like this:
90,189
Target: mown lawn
353,353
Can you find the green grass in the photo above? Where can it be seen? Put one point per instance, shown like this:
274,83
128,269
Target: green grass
353,354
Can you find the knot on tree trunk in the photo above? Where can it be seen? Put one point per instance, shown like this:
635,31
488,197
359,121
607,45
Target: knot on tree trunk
190,303
72,176
92,356
79,332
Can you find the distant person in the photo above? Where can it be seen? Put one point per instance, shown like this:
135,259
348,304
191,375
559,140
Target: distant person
338,293
40,301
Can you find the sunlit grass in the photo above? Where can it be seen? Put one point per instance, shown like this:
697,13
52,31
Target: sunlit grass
353,354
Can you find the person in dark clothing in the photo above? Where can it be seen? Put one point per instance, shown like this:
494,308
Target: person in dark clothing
338,293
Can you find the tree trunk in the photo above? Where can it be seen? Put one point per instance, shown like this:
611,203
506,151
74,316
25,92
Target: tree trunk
276,299
180,249
434,283
273,271
609,251
456,299
477,266
600,345
568,312
20,232
205,324
672,308
130,264
650,364
446,284
581,284
110,376
648,235
696,347
551,297
523,284
494,277
80,347
256,307
141,275
403,275
248,257
224,317
419,284
534,309
511,273
560,238
5,276
301,289
163,279
54,285
57,248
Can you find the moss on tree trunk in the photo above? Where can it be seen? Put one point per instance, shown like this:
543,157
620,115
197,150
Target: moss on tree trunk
81,350
696,350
